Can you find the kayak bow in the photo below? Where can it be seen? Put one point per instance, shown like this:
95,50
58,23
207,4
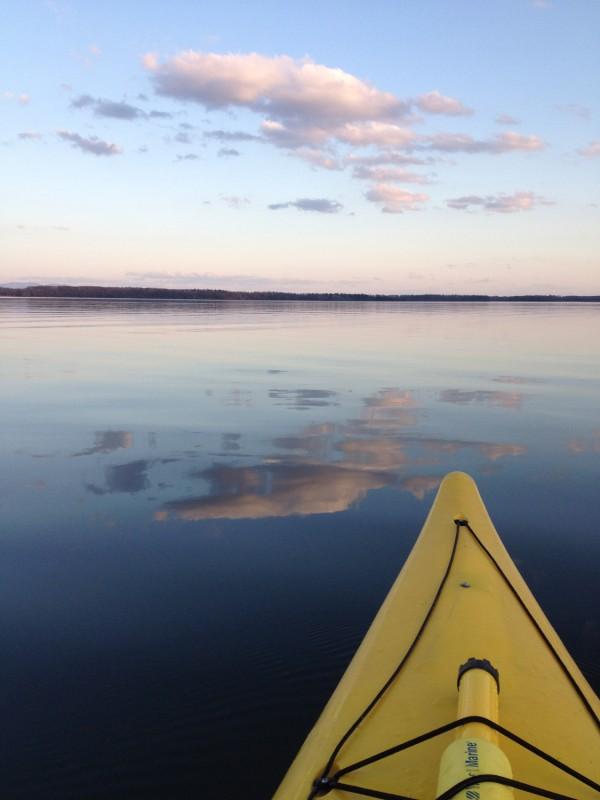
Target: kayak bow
461,687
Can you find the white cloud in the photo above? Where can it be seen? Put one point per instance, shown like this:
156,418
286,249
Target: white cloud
395,200
500,203
92,144
436,103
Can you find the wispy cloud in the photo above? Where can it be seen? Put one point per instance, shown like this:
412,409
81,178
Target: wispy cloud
463,143
31,136
395,200
592,150
436,103
182,138
506,119
235,201
319,204
229,136
576,110
22,99
187,157
91,144
319,158
387,157
384,174
500,203
228,152
116,109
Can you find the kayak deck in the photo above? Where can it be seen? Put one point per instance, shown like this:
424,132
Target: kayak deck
458,596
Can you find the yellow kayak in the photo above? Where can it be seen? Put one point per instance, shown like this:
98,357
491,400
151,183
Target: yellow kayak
461,687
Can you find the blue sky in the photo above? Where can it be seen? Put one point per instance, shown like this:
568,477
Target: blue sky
390,146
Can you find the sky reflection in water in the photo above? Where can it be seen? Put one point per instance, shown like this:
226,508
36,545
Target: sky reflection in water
197,491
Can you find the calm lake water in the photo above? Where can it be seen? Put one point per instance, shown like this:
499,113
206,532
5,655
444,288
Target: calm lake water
204,504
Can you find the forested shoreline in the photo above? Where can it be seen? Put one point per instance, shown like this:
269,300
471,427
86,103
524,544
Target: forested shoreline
155,293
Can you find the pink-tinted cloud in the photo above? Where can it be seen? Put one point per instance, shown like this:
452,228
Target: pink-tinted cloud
463,143
294,136
395,200
387,157
436,103
592,150
285,87
500,203
91,144
381,134
318,158
388,174
506,119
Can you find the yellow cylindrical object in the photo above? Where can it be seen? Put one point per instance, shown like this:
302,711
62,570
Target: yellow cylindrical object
475,751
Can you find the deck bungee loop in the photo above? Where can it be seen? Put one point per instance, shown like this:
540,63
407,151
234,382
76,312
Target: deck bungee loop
479,762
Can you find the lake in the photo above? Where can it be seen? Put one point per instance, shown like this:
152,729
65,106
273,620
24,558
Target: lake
204,504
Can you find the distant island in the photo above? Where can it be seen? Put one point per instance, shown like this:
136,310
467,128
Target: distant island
148,293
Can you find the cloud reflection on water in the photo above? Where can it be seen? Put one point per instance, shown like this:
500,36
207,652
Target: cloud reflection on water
124,478
589,445
277,490
327,467
108,442
303,398
494,398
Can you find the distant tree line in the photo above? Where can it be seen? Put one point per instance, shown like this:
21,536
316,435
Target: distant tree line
147,293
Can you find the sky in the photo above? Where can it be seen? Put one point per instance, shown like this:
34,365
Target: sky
395,146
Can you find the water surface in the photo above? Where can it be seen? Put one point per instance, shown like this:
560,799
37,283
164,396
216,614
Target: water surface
204,504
